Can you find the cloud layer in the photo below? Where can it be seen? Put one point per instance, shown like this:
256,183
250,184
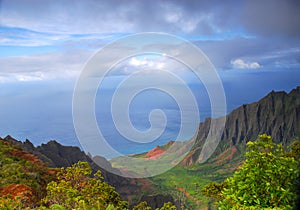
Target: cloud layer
48,40
198,17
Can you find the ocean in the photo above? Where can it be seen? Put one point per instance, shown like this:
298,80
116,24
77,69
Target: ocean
41,111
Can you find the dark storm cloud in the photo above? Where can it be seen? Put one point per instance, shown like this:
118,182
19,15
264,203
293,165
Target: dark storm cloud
265,32
262,18
272,17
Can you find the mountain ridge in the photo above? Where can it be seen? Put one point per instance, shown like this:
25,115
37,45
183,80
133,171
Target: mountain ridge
55,155
276,114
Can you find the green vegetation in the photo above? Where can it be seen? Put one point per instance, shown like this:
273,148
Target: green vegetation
75,188
183,186
214,190
143,206
201,185
19,169
9,203
25,183
266,180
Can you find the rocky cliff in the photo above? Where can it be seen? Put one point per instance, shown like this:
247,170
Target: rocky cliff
277,114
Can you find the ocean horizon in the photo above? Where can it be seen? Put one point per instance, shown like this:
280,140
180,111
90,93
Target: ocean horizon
46,113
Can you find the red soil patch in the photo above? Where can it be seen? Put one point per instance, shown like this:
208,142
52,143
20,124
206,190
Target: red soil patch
52,172
155,153
22,190
188,195
158,151
26,156
182,190
226,155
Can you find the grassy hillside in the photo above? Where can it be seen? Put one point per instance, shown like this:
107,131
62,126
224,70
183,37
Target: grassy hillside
185,184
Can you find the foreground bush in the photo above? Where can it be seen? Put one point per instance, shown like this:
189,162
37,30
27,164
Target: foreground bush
77,189
266,180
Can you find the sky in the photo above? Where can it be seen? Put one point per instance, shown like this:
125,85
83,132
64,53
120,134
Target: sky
44,45
46,40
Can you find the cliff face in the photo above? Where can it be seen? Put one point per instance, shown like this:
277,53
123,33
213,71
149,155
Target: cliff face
277,114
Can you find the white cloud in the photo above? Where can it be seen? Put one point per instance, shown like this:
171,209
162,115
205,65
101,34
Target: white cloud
29,77
146,63
241,64
136,62
49,66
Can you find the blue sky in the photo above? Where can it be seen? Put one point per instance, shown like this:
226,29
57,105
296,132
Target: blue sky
44,45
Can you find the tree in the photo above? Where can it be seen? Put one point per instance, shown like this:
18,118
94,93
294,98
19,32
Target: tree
265,180
213,190
142,206
167,206
76,189
9,203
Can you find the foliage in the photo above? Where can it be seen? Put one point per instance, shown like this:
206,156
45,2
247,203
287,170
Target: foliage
167,206
295,150
144,206
18,167
265,180
189,184
75,189
214,190
9,203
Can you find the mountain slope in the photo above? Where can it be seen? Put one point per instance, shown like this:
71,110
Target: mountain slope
277,114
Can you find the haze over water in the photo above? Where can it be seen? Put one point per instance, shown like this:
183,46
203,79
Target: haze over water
46,113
